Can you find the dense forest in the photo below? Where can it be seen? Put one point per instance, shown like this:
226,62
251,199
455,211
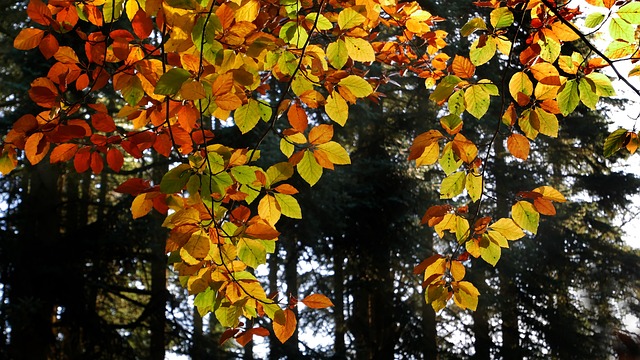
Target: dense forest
81,279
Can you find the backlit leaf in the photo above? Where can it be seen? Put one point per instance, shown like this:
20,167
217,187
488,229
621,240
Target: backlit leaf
452,185
358,86
288,206
309,169
171,81
349,18
526,216
284,331
252,252
335,152
175,179
473,185
317,301
518,146
359,49
337,108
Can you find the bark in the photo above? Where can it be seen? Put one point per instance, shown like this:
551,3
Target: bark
339,346
32,305
159,295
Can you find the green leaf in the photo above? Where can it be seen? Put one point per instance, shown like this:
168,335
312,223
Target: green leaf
620,49
630,12
482,54
501,18
244,174
619,29
252,252
594,19
112,10
229,315
309,169
526,216
279,172
456,103
568,97
322,24
602,83
474,186
476,100
133,91
247,116
204,301
472,26
337,54
445,88
448,160
452,185
588,94
614,142
358,86
287,148
294,34
175,179
288,205
547,123
549,49
489,250
171,81
349,18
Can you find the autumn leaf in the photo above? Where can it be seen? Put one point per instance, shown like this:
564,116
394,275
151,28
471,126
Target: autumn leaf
518,146
526,216
284,331
317,301
28,39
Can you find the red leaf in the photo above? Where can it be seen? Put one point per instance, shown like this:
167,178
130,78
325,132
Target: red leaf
103,122
25,124
115,159
97,164
63,152
317,301
163,145
227,334
82,160
142,24
544,206
133,186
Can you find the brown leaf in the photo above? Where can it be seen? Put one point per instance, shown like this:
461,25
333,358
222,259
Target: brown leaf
284,332
462,67
518,146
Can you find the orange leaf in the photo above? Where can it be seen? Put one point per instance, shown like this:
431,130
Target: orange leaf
435,214
544,206
49,46
63,152
321,134
28,39
317,301
286,189
36,148
298,118
39,12
66,55
284,332
115,159
462,67
518,146
44,92
228,101
422,141
262,230
426,263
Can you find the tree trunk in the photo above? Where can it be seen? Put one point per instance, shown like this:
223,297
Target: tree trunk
159,296
291,278
339,346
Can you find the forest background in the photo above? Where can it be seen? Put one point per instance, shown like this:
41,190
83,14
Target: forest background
81,279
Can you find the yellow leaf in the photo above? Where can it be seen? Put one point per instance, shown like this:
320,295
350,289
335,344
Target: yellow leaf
269,209
358,86
508,228
549,193
526,216
141,206
349,18
520,83
457,270
359,49
474,186
335,152
430,155
337,108
466,295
